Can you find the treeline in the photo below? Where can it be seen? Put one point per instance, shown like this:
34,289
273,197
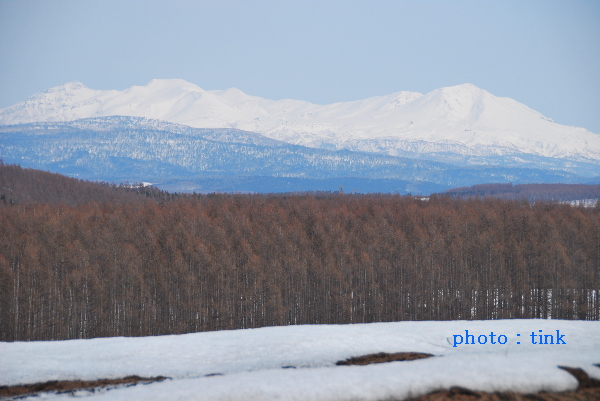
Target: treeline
214,262
530,192
24,185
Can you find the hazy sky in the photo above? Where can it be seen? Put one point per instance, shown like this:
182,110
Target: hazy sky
545,54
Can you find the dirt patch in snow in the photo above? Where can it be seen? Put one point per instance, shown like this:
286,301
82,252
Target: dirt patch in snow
66,386
461,394
383,357
588,390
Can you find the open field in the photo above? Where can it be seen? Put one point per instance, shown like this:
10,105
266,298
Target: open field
299,362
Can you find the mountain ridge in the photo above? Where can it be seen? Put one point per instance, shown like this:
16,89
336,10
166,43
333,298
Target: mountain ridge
182,158
463,120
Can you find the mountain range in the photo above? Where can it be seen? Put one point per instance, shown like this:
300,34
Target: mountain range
176,131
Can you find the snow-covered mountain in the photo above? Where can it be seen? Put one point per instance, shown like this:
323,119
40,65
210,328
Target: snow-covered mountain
181,158
461,124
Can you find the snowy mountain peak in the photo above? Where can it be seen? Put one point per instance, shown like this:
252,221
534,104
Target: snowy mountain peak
234,96
158,91
461,119
68,87
465,88
70,90
466,94
457,102
173,84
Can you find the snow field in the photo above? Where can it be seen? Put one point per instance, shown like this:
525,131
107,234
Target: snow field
251,361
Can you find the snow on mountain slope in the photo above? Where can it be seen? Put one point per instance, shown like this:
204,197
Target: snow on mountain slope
469,120
462,119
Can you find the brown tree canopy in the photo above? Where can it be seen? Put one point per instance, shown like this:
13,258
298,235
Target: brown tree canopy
214,262
24,185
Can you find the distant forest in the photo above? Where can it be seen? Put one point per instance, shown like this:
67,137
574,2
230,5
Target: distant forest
530,192
24,185
82,260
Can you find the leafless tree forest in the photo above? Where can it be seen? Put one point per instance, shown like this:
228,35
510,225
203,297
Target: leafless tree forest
150,264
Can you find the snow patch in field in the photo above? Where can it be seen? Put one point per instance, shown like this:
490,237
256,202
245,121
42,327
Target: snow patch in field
251,361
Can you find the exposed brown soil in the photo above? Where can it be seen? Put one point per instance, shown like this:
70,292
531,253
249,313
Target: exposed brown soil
588,390
584,380
65,386
461,394
383,357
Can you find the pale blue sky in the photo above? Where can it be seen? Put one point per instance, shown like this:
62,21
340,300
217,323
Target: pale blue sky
545,54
